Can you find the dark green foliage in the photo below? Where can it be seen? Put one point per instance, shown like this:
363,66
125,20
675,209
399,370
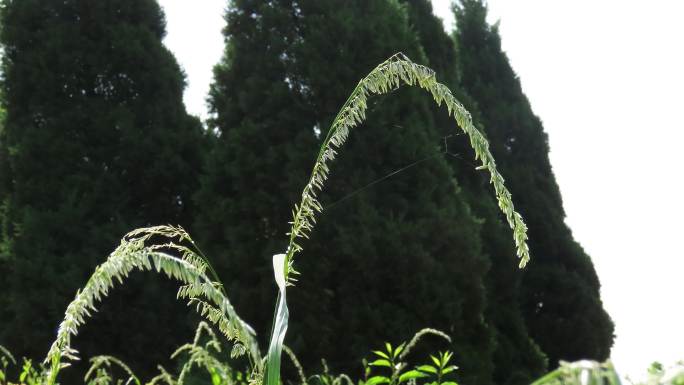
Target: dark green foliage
4,178
4,167
390,259
4,191
98,142
560,290
260,159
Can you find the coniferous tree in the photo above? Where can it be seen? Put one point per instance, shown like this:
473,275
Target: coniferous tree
4,167
384,261
98,142
264,146
517,358
560,290
4,190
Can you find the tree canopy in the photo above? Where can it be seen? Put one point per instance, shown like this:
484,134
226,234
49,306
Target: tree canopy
96,141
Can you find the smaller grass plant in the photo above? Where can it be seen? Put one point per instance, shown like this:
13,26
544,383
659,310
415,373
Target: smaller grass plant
178,258
101,368
392,360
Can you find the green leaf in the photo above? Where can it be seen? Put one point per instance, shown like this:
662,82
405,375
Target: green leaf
389,347
399,349
381,362
381,354
449,369
275,347
411,374
215,377
446,356
376,380
427,368
436,361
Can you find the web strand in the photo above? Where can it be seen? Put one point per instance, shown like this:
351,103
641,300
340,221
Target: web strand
445,151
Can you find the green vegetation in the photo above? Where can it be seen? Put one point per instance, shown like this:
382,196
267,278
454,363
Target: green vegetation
199,362
280,97
139,251
94,140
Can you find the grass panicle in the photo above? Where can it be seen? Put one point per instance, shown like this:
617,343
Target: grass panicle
297,364
174,260
103,364
4,352
386,77
163,377
202,356
418,336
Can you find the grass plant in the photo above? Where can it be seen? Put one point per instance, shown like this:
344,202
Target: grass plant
171,251
178,257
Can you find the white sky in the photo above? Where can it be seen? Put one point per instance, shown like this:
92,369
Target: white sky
606,77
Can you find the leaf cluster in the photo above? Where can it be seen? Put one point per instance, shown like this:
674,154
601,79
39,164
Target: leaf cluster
392,359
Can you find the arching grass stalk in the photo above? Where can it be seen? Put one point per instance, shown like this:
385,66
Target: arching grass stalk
4,352
418,336
135,253
297,364
387,76
99,362
201,355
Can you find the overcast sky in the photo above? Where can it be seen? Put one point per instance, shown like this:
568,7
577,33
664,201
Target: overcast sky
605,77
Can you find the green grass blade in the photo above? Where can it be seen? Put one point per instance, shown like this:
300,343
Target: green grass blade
275,347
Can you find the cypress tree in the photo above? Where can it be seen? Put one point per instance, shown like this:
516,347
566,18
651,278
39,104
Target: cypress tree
261,153
4,168
98,142
517,358
4,190
384,261
560,290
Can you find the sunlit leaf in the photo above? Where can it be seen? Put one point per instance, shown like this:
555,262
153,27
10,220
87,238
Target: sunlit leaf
381,362
410,375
